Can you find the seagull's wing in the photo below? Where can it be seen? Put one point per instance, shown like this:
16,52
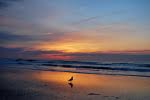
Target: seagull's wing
71,79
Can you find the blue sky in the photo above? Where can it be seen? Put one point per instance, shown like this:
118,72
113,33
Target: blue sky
76,26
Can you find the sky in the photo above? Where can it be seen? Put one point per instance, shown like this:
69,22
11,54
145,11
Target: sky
69,29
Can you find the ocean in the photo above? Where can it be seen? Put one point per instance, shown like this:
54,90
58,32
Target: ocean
89,67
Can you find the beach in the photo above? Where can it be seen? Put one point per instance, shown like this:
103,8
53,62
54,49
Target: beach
27,84
74,49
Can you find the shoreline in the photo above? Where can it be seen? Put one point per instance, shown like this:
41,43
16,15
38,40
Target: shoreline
78,72
25,84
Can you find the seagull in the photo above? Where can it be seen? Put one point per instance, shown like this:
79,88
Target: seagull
71,79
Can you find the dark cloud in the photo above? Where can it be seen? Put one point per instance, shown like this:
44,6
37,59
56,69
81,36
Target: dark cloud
5,3
39,52
7,52
10,52
2,4
8,37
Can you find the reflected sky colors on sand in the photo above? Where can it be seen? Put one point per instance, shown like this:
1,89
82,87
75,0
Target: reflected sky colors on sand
102,85
41,85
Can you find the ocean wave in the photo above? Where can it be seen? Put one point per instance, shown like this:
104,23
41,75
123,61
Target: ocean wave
124,68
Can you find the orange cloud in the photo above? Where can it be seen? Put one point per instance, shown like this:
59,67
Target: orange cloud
96,41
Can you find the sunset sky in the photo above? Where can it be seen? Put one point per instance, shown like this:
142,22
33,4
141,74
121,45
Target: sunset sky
64,29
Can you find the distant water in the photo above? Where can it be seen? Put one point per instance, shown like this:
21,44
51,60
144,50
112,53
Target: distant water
110,68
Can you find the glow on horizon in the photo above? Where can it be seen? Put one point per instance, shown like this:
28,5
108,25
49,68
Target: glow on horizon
76,26
91,44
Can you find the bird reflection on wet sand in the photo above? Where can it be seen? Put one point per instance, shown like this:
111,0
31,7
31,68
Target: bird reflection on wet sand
70,84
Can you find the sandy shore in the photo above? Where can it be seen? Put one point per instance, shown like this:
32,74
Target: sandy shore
19,84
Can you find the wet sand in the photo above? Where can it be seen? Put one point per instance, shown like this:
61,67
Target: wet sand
21,84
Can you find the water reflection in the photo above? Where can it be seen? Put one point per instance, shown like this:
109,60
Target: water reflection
70,84
101,83
96,87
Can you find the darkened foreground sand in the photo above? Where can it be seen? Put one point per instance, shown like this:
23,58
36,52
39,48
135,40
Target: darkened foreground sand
19,84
